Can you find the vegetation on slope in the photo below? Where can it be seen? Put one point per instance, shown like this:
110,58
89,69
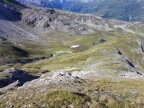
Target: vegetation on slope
10,52
98,94
90,50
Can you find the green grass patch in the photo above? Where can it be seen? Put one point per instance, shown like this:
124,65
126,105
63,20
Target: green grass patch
52,99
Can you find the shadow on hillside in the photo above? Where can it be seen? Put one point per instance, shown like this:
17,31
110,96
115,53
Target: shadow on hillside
9,14
14,75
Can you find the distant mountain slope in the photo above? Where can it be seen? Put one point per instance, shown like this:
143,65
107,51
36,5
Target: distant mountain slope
127,10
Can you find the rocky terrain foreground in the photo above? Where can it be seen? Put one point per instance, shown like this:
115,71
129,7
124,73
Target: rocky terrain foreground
51,58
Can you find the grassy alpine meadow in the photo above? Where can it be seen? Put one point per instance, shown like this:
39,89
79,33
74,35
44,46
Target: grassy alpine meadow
103,69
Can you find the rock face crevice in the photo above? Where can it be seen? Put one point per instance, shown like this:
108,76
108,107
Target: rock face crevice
119,52
130,63
141,45
142,48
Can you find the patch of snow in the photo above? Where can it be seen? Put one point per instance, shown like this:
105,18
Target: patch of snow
74,46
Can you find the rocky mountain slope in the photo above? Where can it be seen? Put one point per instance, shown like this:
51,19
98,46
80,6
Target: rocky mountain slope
55,58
